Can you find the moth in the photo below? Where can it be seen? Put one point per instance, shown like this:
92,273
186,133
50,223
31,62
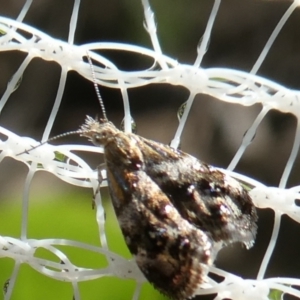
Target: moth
175,212
172,208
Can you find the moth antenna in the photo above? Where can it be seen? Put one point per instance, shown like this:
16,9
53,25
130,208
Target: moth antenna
96,86
52,139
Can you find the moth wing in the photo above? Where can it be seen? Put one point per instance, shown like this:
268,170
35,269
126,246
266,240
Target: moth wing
170,251
204,196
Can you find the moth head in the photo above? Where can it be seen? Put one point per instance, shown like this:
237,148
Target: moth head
97,131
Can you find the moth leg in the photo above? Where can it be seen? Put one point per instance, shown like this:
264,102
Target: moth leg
100,168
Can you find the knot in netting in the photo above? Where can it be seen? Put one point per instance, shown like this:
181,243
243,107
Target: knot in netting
285,201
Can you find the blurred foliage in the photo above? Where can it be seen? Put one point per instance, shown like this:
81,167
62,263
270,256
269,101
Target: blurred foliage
276,295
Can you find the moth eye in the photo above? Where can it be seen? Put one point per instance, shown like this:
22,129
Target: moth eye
97,139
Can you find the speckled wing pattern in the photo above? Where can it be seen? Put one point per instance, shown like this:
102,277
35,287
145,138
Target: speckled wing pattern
171,208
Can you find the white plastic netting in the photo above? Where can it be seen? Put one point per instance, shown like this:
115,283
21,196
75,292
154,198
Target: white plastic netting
26,238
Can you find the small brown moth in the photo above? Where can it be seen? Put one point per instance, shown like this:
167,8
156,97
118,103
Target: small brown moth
172,208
